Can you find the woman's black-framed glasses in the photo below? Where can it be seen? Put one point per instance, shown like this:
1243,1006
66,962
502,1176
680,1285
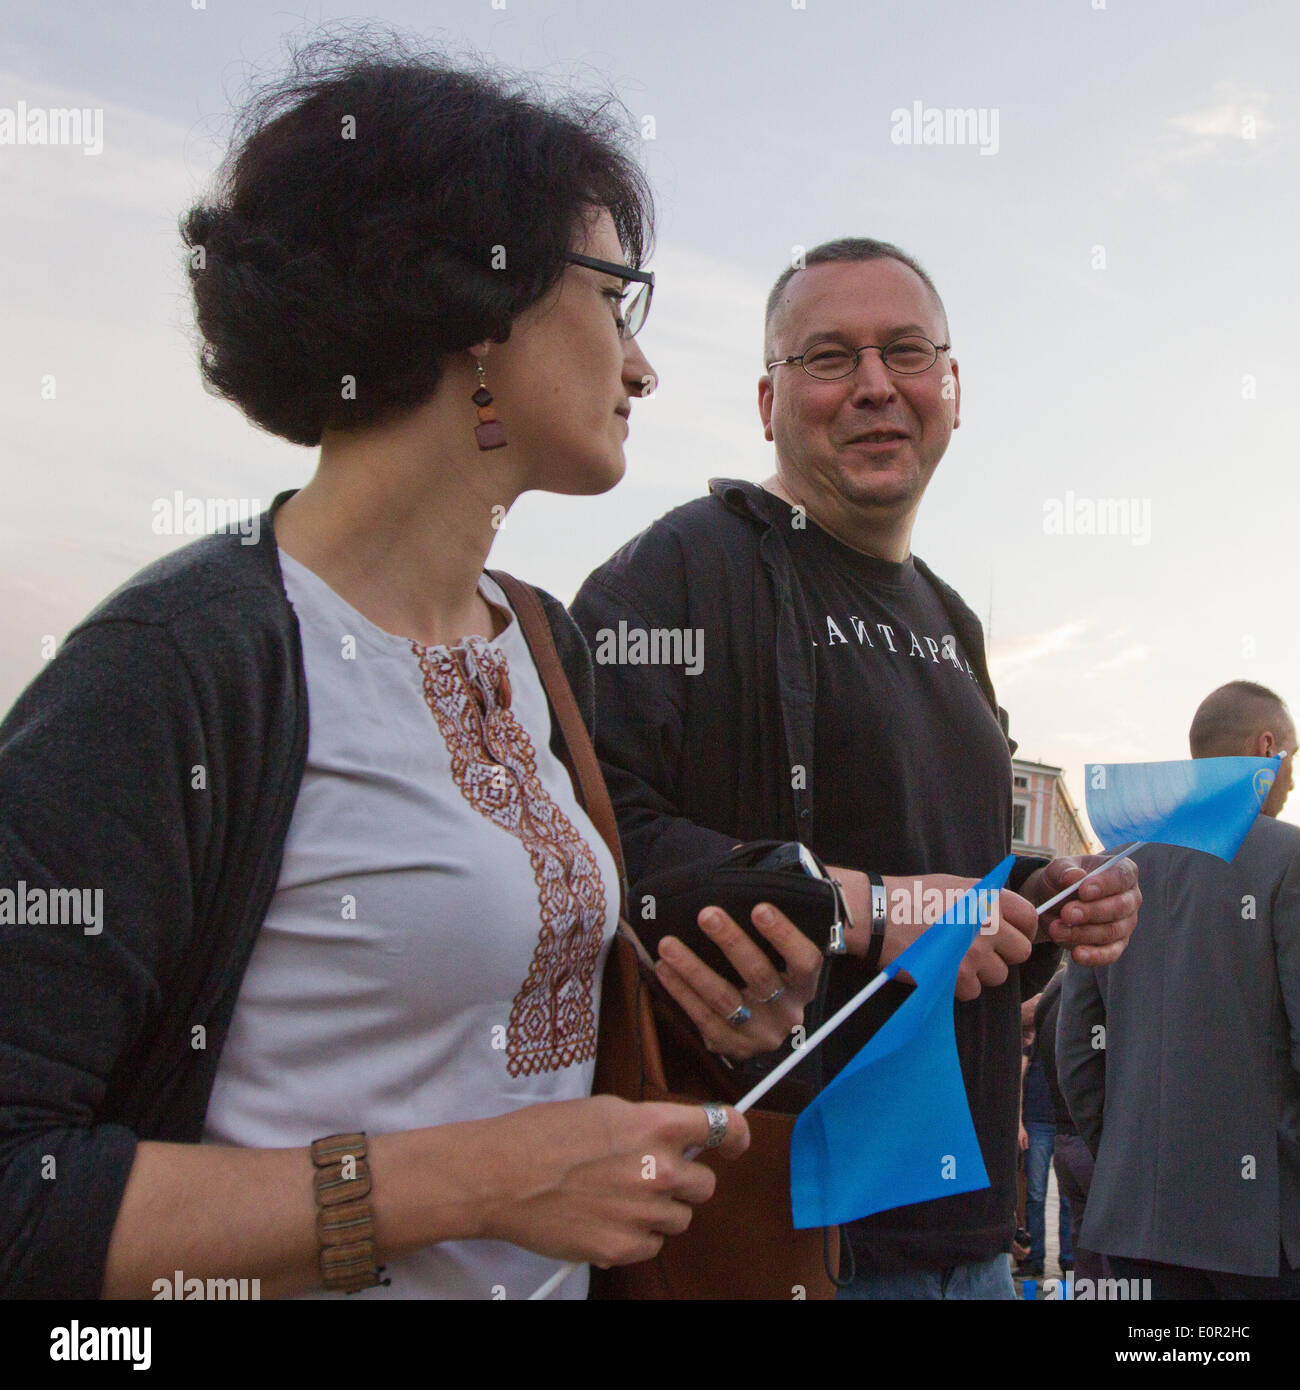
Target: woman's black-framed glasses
907,356
634,313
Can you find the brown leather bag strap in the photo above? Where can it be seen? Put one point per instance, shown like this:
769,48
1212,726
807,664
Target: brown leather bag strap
743,1235
584,766
633,969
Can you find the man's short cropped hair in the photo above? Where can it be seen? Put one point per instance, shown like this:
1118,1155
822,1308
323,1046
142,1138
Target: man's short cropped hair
850,249
1229,717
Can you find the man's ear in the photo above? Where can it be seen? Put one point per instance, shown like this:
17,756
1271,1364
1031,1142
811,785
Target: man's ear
1263,745
765,404
956,386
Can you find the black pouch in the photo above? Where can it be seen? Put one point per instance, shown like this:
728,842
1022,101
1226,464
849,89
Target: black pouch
784,873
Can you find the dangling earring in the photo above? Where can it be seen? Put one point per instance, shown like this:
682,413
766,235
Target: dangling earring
490,432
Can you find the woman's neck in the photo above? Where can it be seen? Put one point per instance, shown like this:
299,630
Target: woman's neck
400,535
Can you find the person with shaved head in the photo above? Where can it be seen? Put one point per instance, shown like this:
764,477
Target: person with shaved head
1242,719
1180,1062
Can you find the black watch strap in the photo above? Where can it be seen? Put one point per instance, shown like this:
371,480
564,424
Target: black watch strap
879,921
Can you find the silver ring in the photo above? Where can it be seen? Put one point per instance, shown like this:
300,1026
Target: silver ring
717,1124
740,1016
774,996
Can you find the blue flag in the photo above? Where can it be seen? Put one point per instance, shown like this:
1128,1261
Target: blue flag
894,1126
1200,803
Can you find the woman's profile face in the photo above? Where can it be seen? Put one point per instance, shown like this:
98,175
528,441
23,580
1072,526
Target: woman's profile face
565,380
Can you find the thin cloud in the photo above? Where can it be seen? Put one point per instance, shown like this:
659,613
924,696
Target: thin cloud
1130,656
1236,116
1013,659
1234,124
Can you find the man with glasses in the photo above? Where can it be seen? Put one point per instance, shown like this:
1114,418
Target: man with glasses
844,702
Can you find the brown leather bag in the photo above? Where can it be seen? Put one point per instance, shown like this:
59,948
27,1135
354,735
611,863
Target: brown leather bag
742,1242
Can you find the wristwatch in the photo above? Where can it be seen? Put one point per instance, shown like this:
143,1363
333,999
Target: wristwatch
843,922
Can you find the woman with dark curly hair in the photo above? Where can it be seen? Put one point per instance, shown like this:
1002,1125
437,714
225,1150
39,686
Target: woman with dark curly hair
338,1013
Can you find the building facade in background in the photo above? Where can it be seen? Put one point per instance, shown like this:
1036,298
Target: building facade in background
1044,819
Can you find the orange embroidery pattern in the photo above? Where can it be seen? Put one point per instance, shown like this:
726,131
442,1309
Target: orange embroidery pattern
553,1018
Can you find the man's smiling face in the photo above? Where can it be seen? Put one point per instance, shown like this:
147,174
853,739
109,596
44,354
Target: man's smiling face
871,440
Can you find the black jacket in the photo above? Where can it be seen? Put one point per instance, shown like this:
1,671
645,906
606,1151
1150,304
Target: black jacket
158,757
1046,1013
696,763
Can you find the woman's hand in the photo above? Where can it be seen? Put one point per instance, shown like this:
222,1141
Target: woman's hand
600,1180
775,1001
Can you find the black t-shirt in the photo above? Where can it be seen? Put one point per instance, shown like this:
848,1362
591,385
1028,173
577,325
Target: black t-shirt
912,775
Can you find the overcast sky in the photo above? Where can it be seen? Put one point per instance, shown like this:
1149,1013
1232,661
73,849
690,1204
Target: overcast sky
1115,247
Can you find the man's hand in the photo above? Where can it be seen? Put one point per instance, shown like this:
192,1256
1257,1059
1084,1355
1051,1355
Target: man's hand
1097,922
913,904
774,1001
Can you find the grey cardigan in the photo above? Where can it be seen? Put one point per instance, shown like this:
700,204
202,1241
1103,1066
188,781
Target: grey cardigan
157,758
1191,1103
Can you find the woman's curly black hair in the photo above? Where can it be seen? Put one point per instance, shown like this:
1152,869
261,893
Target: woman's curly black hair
361,219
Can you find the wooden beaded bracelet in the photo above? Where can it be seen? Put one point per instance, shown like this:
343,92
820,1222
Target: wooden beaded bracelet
344,1223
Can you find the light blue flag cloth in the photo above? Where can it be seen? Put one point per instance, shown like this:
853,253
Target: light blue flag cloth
1200,803
894,1126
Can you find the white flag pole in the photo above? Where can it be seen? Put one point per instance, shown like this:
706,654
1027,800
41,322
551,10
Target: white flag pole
831,1024
759,1091
547,1289
1065,892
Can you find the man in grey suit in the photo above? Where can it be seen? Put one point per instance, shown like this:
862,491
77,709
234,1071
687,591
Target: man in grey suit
1180,1062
